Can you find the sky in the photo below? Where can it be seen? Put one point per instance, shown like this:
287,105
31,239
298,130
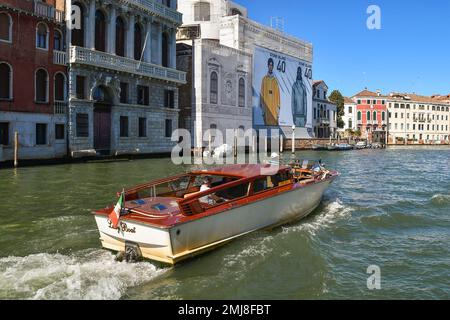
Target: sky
410,53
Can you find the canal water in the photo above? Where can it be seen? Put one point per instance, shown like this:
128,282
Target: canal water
390,209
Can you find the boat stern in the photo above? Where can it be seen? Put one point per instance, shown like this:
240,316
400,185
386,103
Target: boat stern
150,242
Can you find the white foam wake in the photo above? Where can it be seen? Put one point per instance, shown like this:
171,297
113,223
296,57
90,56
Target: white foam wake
92,274
332,212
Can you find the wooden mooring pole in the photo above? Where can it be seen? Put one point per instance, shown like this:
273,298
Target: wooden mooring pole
16,149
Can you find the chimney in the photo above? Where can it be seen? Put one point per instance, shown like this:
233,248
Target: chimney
378,92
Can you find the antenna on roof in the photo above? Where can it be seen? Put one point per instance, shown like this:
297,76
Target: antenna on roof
277,23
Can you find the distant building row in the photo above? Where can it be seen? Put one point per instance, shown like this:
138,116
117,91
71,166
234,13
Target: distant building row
399,118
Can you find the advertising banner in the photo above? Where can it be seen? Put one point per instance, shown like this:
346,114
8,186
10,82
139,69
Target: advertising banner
282,90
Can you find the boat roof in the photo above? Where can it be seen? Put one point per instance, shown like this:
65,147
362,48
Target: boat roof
241,171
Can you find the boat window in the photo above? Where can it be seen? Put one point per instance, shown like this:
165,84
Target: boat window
225,195
180,184
269,182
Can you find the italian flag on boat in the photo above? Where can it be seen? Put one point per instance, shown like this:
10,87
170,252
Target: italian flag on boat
114,216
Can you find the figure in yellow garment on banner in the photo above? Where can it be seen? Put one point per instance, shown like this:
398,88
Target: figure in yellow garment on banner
270,97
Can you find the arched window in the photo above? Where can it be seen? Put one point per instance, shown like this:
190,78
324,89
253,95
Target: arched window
359,116
120,37
5,81
383,116
60,87
5,27
350,123
374,116
368,115
202,11
78,34
41,86
165,50
58,41
241,92
214,88
42,36
137,42
100,31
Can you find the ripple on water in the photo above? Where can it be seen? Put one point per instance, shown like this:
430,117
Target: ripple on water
90,274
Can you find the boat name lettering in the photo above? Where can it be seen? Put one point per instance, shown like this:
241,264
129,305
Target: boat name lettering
122,227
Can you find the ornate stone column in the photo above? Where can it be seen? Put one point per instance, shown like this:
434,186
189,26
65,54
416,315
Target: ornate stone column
111,38
147,41
130,36
90,32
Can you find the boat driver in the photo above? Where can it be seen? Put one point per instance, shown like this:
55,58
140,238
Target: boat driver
210,199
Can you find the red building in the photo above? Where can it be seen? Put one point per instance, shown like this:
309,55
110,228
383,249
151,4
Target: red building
33,78
371,115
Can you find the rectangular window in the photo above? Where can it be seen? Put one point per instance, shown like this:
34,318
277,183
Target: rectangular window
59,132
82,125
41,134
143,95
350,110
123,127
169,99
123,92
81,87
168,128
142,127
315,113
4,133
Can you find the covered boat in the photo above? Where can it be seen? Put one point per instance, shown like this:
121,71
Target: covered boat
176,218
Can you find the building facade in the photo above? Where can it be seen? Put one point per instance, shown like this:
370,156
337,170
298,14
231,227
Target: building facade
324,112
371,115
349,117
216,47
33,79
416,119
123,80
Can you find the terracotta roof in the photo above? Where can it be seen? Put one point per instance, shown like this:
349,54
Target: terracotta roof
396,96
369,94
347,100
317,82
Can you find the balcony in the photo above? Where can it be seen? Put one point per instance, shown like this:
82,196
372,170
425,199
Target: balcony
60,107
154,8
324,121
45,10
109,61
59,57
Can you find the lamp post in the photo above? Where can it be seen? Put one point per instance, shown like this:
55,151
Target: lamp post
293,139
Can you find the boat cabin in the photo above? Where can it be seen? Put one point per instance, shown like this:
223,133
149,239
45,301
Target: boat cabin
213,190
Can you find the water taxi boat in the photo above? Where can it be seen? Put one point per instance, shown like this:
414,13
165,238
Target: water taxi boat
176,218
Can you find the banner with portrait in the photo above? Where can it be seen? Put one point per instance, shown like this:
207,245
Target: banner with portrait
282,90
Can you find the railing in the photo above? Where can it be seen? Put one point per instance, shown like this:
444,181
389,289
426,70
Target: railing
48,11
154,7
60,107
60,16
44,9
110,61
59,57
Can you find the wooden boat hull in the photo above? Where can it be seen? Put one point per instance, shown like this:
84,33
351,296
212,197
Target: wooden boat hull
183,241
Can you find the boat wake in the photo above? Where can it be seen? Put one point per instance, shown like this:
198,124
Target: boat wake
440,200
329,213
86,275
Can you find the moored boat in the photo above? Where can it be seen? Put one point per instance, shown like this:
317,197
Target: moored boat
176,218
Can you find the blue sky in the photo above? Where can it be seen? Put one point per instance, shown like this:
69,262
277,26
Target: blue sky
411,52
